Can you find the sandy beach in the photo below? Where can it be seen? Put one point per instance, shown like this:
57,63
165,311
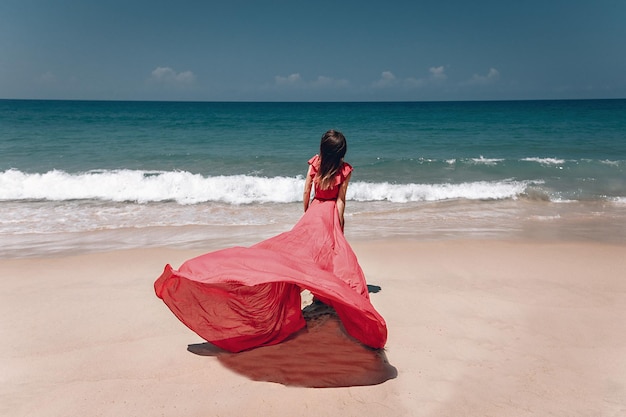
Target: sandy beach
476,328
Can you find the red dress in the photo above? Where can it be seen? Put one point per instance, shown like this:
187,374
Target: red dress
241,298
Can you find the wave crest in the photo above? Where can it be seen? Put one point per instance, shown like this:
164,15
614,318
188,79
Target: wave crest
404,193
545,161
188,188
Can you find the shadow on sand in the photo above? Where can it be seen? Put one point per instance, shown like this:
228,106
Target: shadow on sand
322,356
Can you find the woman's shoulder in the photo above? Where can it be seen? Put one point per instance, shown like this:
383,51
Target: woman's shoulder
343,172
314,164
315,160
346,169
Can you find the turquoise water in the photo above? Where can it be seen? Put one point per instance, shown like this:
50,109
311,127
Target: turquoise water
75,168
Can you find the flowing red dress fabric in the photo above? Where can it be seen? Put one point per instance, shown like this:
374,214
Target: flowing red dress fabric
241,298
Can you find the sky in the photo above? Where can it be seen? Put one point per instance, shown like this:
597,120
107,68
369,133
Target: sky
365,50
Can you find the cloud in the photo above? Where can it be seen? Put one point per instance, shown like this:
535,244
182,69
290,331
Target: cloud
438,73
387,79
292,79
492,76
321,82
166,75
432,81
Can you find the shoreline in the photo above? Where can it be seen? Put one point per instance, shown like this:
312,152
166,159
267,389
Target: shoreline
476,327
517,220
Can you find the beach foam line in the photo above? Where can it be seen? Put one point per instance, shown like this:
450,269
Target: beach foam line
545,161
486,161
405,193
187,188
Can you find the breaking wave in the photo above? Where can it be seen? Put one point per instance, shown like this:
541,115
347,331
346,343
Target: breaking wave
188,188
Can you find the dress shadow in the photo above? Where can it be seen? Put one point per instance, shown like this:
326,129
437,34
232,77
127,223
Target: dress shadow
322,355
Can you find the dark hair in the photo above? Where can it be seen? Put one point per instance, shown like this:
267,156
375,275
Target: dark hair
333,148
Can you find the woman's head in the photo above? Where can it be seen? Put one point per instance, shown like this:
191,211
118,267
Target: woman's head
333,148
333,145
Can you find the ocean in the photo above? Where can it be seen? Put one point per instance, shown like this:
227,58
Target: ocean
80,176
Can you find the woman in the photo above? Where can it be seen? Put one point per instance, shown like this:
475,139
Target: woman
329,185
242,298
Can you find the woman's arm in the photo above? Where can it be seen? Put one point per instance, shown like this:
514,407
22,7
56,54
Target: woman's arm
341,199
306,197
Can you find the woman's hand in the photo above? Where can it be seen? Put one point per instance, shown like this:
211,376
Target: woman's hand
308,183
341,199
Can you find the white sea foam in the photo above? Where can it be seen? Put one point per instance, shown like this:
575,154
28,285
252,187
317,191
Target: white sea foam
545,161
611,163
403,193
148,186
187,188
486,161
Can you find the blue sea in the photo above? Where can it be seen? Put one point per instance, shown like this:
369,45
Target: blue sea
81,176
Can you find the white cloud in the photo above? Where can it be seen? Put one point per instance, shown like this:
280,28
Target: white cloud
438,73
323,81
295,80
167,75
292,79
387,76
387,79
492,76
